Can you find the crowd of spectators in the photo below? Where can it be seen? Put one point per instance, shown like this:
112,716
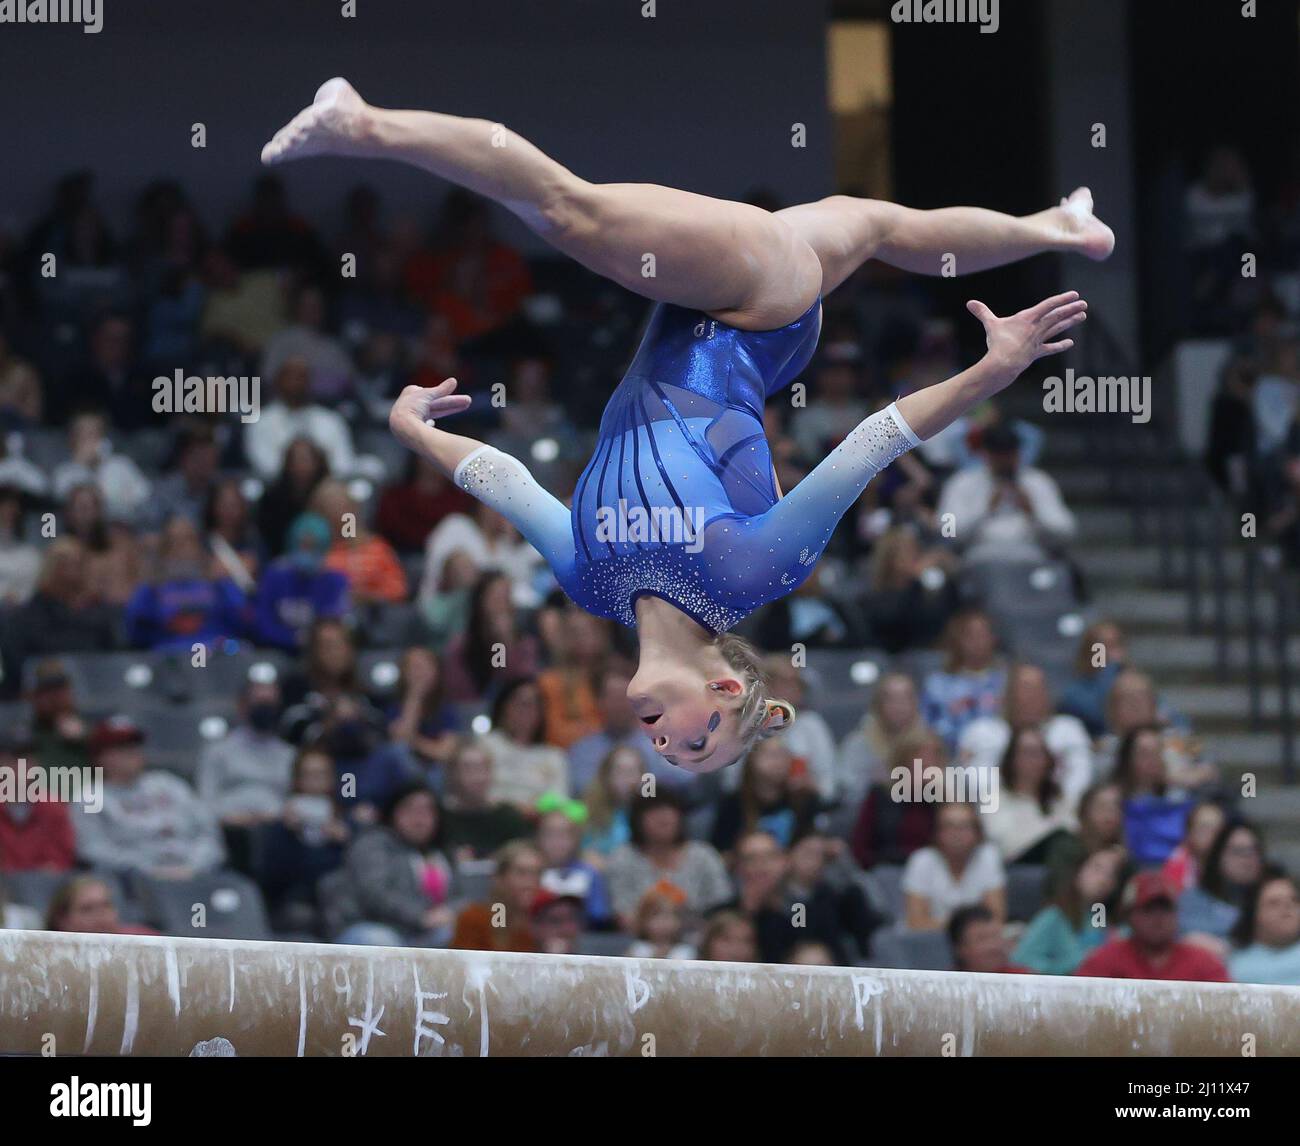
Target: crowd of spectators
496,793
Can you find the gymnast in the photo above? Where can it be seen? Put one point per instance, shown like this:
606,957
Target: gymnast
738,295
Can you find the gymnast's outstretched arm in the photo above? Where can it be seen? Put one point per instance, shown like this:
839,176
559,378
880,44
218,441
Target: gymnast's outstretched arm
797,528
495,478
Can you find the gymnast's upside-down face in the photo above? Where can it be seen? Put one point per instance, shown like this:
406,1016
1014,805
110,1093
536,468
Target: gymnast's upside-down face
692,721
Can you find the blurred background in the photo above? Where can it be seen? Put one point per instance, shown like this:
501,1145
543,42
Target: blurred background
344,759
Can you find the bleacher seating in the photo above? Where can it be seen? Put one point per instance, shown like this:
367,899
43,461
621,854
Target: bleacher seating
232,906
921,950
1025,885
175,736
603,943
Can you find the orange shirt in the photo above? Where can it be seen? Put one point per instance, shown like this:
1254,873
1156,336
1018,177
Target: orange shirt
476,291
371,567
474,932
570,708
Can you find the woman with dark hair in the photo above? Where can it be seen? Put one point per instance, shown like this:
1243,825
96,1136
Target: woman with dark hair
1185,863
1233,866
329,667
1267,933
1101,826
397,882
1133,704
659,850
959,869
1062,934
422,720
773,797
1155,812
304,467
492,650
1031,810
114,563
236,548
524,767
327,705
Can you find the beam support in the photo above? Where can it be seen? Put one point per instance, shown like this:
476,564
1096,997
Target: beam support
130,995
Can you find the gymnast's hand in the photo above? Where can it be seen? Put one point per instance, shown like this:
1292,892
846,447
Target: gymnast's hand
1017,341
418,407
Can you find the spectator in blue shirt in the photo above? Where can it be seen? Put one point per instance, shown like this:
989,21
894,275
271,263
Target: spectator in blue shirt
184,606
971,682
298,590
1268,933
1233,866
1155,812
559,839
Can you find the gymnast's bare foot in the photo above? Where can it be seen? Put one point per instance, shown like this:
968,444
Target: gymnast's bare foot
1085,232
334,124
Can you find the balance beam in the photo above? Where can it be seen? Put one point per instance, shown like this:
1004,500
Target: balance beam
128,995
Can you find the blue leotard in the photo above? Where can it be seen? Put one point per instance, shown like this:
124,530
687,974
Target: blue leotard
679,500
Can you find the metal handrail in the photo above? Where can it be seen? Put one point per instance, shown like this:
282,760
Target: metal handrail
1158,483
1286,586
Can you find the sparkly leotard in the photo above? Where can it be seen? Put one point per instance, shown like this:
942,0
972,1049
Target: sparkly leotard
679,500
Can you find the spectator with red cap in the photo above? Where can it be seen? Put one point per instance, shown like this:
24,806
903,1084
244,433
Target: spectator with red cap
151,821
35,835
1152,949
557,919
